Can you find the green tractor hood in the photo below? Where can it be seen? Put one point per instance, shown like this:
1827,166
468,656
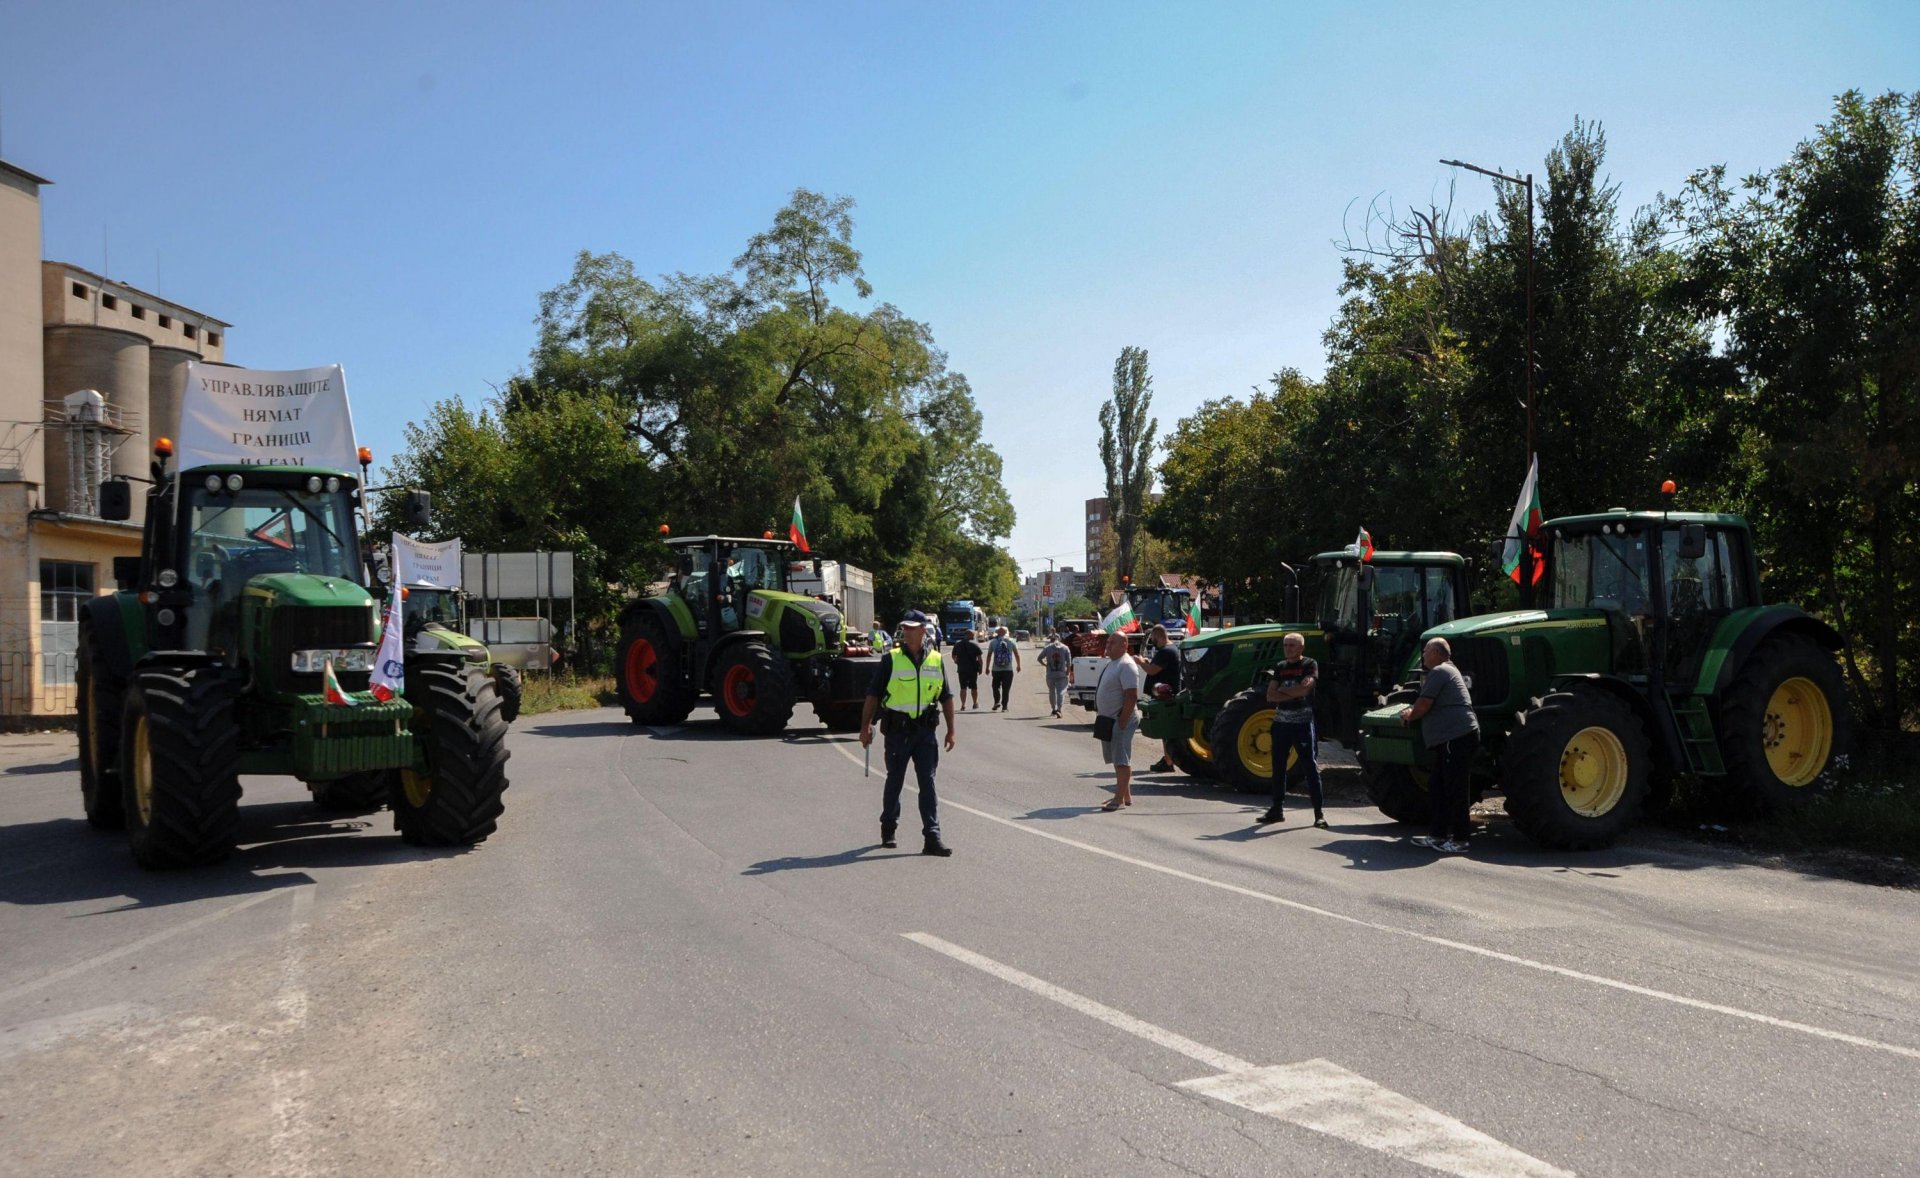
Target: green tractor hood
308,589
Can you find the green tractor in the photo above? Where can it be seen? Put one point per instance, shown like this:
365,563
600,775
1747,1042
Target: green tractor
433,619
728,628
1372,611
211,661
1654,656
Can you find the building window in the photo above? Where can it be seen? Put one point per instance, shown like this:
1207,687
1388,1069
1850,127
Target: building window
213,339
188,328
166,321
109,302
79,291
139,312
64,586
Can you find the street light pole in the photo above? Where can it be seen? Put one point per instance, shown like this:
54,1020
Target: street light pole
1526,181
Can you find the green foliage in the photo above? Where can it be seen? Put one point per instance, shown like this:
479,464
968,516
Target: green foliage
1075,607
708,402
1126,450
565,693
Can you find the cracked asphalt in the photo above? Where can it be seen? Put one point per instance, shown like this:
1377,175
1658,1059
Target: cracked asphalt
684,954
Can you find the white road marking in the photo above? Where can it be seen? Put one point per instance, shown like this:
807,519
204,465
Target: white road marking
42,1032
1442,942
80,967
1315,1094
289,1144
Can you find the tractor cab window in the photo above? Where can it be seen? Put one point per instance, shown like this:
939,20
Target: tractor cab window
752,568
235,536
1600,570
1397,604
693,578
431,606
1340,599
1441,607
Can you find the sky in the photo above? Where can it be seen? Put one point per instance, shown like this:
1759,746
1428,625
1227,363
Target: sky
390,186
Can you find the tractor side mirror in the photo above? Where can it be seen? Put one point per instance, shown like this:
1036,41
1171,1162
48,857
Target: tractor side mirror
116,501
419,510
126,571
1292,604
1693,541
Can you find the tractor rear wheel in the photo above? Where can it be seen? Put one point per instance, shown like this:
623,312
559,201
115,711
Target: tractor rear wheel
506,684
1783,724
1576,769
180,766
753,690
99,725
1191,753
356,792
1241,740
456,800
651,672
1400,792
841,717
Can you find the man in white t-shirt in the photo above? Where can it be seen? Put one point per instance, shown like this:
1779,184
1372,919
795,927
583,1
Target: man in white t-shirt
1117,694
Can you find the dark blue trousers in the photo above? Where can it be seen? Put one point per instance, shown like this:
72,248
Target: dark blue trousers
921,746
1295,737
1452,787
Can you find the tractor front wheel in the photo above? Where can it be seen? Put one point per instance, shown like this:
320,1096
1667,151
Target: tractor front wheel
753,690
180,766
1576,769
1400,792
506,684
651,676
1192,754
456,799
1783,724
99,731
1241,740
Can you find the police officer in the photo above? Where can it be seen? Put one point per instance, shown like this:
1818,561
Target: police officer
910,682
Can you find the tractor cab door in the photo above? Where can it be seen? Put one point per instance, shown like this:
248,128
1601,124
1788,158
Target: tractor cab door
694,583
1703,571
1608,571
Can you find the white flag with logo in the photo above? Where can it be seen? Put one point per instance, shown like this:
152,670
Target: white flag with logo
390,661
257,417
416,562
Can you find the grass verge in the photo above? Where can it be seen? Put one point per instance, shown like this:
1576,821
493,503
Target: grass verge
564,693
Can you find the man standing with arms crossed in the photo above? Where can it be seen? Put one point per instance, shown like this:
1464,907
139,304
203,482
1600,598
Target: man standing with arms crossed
1291,692
910,692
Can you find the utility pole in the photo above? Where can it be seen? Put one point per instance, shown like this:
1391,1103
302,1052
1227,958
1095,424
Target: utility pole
1526,181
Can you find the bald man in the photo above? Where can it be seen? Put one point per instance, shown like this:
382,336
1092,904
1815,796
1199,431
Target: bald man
1449,727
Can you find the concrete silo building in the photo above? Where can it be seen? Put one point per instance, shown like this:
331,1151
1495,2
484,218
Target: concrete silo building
91,373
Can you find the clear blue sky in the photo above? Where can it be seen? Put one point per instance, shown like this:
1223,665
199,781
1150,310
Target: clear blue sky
390,186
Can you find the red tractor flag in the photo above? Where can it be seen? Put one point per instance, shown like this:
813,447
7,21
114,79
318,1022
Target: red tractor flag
797,530
1524,529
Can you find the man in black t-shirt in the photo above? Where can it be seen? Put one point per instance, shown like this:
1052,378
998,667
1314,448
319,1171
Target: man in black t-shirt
1290,691
967,657
1162,667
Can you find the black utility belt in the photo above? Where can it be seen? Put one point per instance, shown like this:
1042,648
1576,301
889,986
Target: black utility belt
892,721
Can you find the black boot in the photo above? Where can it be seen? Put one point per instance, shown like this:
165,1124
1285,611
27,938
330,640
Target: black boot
886,834
1273,815
936,847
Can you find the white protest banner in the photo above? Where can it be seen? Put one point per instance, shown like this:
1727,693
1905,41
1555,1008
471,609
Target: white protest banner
254,417
416,562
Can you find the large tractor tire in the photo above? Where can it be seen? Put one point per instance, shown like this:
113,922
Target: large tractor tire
180,766
99,730
841,717
506,685
651,672
1241,740
356,793
752,690
1192,754
1783,724
1576,771
1399,791
456,800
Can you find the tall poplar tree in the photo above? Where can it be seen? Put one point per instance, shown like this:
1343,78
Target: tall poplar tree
1126,450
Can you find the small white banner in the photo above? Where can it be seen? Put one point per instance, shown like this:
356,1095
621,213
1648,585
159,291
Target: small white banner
416,562
254,417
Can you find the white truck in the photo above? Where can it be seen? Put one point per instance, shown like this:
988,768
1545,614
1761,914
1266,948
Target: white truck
839,584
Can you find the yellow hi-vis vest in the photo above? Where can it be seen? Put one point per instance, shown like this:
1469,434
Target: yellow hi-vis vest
912,689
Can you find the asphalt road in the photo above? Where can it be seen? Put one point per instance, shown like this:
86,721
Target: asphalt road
686,954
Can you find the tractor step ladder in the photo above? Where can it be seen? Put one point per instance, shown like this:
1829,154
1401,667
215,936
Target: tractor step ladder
1696,735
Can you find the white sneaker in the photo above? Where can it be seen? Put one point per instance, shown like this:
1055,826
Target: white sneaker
1427,841
1453,847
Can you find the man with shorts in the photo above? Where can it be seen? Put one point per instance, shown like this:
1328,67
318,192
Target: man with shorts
1117,695
967,657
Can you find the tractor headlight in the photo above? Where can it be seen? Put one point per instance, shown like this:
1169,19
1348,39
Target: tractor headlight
213,483
235,482
333,485
352,658
168,578
1194,655
165,617
313,484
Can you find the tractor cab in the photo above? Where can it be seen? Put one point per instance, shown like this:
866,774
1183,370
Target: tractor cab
1371,614
716,577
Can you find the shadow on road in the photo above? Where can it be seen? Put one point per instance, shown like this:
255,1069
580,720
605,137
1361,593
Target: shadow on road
70,765
802,862
63,860
596,728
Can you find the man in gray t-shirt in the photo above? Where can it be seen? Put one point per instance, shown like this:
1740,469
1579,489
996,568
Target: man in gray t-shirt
1448,727
1117,694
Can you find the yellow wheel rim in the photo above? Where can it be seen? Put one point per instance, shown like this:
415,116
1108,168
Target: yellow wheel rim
1593,772
1197,741
418,786
142,771
1255,745
1798,731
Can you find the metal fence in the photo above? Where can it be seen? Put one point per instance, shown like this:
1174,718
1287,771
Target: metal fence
37,685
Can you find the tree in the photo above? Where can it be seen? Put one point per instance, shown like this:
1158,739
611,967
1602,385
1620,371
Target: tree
1126,450
1077,606
1813,269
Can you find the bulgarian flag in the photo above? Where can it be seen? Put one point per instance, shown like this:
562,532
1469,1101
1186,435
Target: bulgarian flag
1120,620
1193,616
1363,544
332,686
797,530
1525,526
